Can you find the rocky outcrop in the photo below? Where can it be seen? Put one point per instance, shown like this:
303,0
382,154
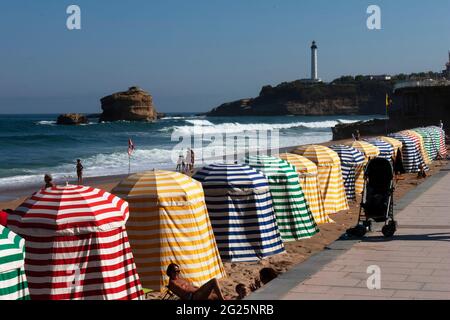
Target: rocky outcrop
132,105
313,99
71,119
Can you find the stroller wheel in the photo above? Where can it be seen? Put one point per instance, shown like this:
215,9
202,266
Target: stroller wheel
358,231
389,229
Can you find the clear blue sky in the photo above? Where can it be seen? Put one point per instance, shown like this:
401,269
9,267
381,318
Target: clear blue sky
193,55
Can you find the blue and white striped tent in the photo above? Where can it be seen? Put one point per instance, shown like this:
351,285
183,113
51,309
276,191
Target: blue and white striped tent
352,160
241,212
410,154
386,150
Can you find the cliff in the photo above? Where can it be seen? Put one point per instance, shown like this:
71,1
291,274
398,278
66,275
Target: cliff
132,105
340,97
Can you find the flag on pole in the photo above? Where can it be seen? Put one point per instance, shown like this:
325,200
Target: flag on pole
130,147
388,101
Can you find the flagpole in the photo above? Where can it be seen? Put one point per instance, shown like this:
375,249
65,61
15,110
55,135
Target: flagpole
129,164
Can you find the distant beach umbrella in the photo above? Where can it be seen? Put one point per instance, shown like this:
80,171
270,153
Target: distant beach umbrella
417,138
330,176
169,223
352,163
396,144
13,281
385,148
76,245
294,218
410,153
309,182
431,148
241,212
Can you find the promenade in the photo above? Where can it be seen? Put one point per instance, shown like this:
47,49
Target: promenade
415,264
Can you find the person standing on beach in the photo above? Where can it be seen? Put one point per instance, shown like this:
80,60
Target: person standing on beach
188,161
80,172
180,163
48,181
192,160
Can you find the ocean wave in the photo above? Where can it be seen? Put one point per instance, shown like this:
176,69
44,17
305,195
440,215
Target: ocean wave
46,123
207,127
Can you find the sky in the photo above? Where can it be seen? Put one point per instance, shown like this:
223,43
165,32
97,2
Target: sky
195,55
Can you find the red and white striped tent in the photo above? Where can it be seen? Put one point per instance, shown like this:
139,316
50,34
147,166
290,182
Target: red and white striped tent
76,244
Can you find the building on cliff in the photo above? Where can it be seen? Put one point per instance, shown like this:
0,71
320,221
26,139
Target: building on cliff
446,72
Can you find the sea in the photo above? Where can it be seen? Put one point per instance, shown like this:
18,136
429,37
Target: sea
33,145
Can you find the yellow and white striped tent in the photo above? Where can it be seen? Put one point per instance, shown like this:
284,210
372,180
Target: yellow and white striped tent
169,223
308,176
396,144
330,176
370,152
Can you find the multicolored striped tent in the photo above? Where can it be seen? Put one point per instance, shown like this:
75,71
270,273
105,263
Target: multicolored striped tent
294,218
396,144
352,164
417,138
76,245
169,223
410,154
430,147
330,176
386,149
308,176
438,140
13,281
241,212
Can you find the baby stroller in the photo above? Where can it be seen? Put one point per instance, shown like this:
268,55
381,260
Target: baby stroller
377,200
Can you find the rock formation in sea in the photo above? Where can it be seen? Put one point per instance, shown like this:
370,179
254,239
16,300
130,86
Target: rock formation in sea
71,119
313,99
134,104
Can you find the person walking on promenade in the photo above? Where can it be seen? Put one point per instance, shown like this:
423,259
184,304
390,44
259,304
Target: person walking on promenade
48,181
80,172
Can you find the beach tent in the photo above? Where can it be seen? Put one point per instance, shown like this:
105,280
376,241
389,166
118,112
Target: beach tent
438,139
169,223
330,176
309,182
410,154
13,281
241,212
294,218
396,144
430,147
386,149
370,151
352,165
76,245
417,138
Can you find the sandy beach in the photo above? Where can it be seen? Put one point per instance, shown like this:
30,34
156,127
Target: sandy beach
296,252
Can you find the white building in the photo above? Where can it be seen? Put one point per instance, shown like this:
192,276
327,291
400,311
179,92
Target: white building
314,71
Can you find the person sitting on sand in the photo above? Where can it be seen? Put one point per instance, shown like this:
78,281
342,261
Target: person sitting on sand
241,290
48,181
421,174
187,291
80,172
265,276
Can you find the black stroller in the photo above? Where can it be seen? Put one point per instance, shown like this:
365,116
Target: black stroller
377,199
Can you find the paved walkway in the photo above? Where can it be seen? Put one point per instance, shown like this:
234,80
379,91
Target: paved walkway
414,265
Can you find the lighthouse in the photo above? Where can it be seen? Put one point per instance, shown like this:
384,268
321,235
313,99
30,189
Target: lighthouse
314,73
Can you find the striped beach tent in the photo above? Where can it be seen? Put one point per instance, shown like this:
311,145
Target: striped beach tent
169,223
431,142
438,140
417,138
330,176
294,218
352,164
241,212
76,245
386,149
13,281
396,144
370,151
410,154
309,182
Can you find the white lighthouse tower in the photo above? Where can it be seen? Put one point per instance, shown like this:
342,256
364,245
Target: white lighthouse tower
314,73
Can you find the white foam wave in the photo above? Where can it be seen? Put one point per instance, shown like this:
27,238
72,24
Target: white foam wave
46,123
206,127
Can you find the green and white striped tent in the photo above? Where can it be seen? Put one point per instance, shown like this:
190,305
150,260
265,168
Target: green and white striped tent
294,218
13,282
